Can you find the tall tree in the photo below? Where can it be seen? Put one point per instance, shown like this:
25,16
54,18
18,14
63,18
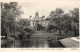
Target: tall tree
56,18
9,12
75,20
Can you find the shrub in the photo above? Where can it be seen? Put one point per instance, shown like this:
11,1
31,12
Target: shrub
28,30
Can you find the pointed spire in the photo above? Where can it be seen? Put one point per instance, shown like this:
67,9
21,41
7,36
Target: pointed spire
36,15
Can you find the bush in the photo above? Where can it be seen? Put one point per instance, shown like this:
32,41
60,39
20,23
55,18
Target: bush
28,30
51,27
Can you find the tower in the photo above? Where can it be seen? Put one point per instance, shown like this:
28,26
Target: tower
37,15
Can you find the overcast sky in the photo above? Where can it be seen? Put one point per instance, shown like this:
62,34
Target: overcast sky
44,7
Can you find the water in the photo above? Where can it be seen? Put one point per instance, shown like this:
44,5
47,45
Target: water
38,42
35,42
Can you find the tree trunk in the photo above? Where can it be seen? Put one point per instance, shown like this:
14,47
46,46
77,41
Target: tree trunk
75,32
14,33
60,31
8,31
14,29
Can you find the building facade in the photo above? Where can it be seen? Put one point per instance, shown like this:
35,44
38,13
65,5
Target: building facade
37,20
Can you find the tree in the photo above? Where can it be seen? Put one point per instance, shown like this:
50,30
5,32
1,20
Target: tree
48,19
30,17
75,20
39,27
43,17
51,27
9,12
66,21
24,22
56,18
75,15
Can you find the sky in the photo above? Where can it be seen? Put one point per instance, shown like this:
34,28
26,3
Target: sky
44,7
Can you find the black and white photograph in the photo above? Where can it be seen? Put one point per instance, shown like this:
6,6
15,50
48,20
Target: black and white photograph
40,24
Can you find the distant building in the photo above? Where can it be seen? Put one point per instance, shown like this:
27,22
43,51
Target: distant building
37,20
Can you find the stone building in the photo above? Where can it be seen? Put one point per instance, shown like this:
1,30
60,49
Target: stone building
37,20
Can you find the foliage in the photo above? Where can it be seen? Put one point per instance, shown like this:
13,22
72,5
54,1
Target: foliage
47,19
55,15
67,22
75,15
24,22
9,13
40,27
75,20
28,30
